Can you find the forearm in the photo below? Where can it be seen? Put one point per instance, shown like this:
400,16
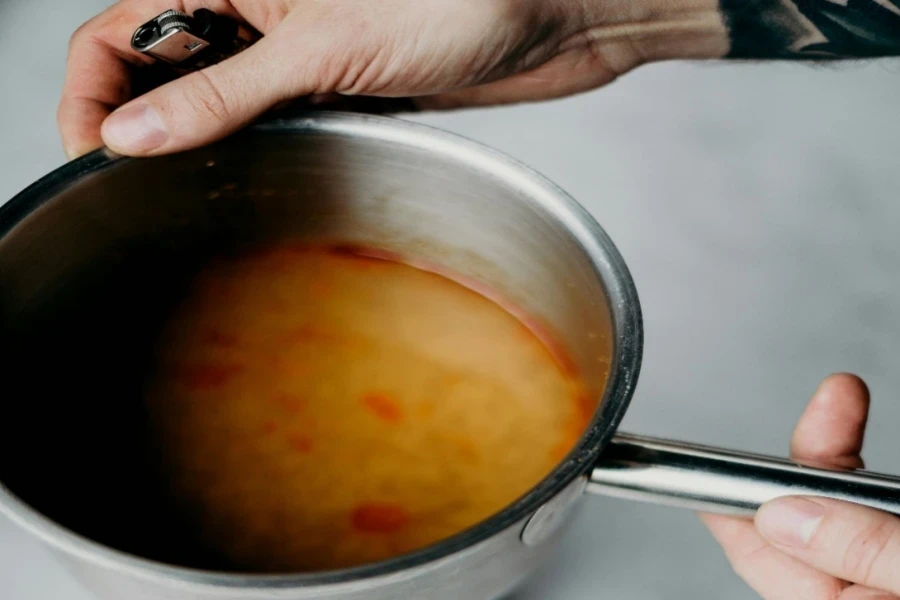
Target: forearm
812,29
748,29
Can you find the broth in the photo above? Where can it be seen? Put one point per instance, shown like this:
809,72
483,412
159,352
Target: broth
320,409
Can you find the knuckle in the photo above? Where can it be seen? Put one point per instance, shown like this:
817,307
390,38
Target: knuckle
748,562
868,548
272,13
499,11
751,553
746,553
208,99
833,589
62,112
80,35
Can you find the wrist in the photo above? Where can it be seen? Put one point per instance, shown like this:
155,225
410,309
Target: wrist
642,31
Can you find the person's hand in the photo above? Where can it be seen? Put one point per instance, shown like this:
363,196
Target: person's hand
445,53
813,548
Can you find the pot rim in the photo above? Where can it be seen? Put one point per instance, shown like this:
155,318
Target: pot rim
609,266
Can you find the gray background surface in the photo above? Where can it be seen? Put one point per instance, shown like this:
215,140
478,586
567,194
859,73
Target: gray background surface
757,206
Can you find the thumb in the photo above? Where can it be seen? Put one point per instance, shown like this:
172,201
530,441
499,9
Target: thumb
199,108
851,542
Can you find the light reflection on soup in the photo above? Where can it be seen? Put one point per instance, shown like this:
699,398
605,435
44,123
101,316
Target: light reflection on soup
320,409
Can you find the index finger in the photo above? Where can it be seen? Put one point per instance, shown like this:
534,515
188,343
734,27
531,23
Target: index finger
99,67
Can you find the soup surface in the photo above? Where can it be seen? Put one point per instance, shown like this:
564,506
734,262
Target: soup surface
321,409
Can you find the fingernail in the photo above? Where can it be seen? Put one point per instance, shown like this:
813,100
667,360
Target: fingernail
790,521
136,128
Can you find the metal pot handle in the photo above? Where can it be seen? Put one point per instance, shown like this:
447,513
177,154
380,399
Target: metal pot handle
722,481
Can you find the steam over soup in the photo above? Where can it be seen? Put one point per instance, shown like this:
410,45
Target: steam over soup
320,409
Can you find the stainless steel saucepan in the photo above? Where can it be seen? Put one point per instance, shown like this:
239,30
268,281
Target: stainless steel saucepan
92,255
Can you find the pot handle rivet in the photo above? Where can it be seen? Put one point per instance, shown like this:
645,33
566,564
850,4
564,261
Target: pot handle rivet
549,518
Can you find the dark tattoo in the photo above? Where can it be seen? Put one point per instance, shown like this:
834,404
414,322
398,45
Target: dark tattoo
813,29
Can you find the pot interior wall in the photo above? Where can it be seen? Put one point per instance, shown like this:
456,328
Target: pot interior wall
88,277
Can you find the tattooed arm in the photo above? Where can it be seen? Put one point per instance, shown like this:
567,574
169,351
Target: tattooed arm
432,53
812,29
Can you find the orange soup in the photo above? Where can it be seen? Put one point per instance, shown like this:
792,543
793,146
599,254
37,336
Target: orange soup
321,409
